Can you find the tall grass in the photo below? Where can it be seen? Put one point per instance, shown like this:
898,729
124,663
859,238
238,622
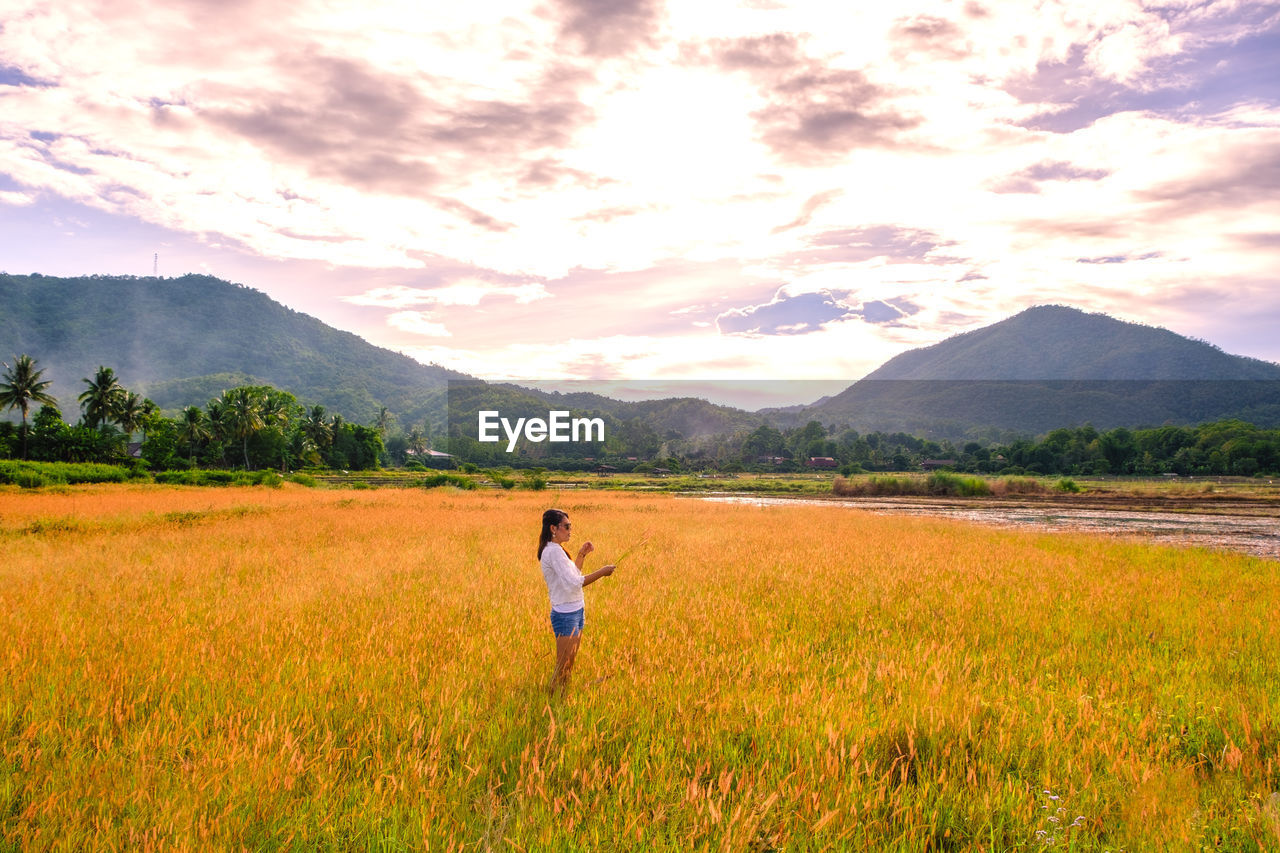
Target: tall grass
335,669
937,483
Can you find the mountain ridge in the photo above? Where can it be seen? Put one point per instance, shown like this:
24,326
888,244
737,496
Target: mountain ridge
182,340
1055,366
1030,345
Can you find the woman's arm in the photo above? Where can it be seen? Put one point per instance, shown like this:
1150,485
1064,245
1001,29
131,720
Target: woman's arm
597,574
586,549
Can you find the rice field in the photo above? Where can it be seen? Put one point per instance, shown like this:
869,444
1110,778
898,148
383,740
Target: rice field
297,669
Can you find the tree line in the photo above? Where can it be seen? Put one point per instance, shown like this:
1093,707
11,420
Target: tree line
1220,448
258,426
250,426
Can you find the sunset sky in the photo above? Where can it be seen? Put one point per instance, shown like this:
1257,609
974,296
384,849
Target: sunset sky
626,188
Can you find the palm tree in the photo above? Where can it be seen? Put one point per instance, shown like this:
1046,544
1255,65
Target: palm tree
131,412
383,421
243,416
316,428
193,428
416,441
275,411
21,387
218,425
101,401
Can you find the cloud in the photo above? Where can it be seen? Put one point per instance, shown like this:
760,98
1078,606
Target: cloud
15,199
1118,259
11,76
797,313
784,315
382,131
822,115
1205,57
636,158
814,113
417,323
768,53
607,28
473,216
807,210
546,173
937,38
1028,180
876,311
606,215
854,245
1247,174
466,292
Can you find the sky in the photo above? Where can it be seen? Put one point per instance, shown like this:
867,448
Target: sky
623,189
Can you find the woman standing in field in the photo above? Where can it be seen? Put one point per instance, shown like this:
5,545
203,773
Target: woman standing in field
564,585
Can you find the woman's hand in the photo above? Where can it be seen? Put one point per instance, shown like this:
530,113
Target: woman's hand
608,570
586,549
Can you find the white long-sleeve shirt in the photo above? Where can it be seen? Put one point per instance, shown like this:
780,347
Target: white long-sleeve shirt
564,581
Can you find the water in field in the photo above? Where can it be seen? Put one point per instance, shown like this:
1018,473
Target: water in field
1256,535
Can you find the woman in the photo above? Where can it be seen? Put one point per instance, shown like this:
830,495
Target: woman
564,585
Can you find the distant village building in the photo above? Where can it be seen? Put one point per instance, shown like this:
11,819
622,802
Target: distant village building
933,464
429,454
772,460
432,458
822,462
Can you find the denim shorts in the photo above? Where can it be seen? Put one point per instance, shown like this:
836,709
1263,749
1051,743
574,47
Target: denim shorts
568,624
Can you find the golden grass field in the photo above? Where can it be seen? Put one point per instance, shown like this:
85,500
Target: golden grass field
294,669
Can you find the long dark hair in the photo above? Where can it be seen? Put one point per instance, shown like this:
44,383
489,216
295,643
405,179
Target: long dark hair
550,519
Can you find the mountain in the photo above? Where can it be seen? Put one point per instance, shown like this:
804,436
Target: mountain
1053,366
1058,342
182,341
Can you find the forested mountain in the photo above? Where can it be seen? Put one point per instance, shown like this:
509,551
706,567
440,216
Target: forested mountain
182,341
1058,342
1053,366
185,340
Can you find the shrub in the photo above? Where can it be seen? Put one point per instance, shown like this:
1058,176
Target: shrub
303,480
1019,486
31,480
937,483
878,486
1067,485
500,479
215,477
58,473
456,480
946,483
